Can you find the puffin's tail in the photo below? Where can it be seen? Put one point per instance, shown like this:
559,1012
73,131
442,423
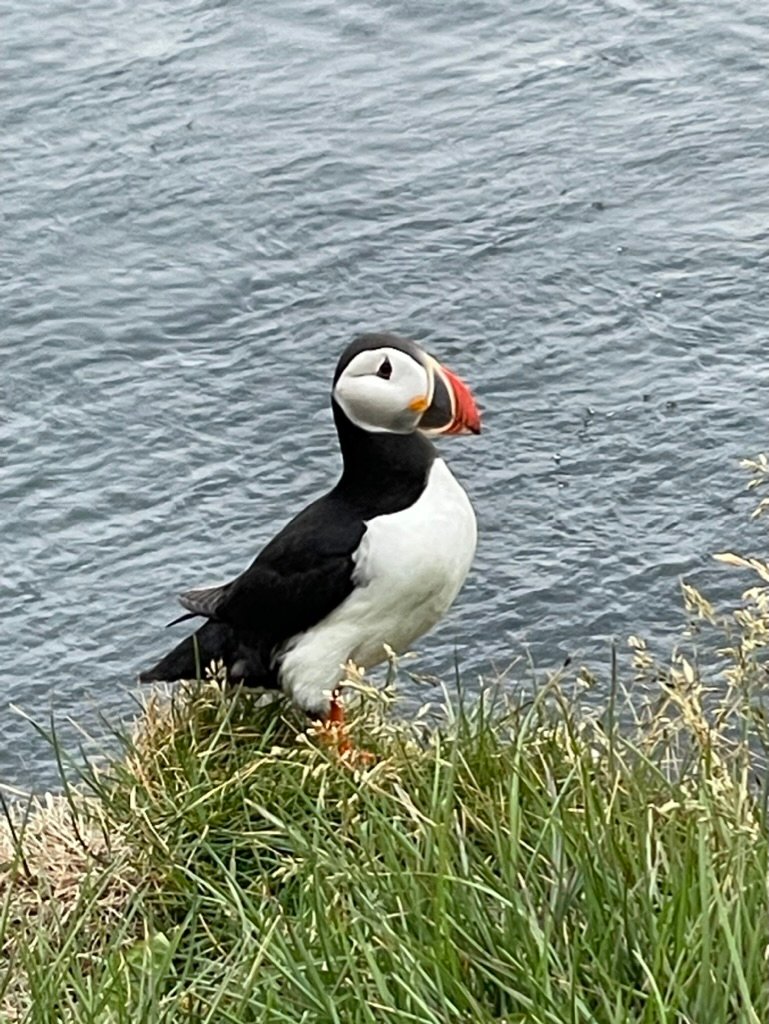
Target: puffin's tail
214,641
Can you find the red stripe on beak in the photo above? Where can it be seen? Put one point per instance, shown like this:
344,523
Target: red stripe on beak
467,419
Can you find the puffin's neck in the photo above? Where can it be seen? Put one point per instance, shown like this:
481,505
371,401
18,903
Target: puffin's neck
383,473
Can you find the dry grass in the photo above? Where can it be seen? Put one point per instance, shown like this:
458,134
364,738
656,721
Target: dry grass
62,861
534,860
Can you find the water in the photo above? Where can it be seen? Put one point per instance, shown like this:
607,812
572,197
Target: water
202,202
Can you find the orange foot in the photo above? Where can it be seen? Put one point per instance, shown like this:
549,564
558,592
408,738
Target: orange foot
333,732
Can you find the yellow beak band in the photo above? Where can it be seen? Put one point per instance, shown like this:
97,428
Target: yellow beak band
419,404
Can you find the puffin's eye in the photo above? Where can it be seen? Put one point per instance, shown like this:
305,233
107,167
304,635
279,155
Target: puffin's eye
385,370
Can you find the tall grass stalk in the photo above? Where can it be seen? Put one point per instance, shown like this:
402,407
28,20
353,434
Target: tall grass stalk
532,860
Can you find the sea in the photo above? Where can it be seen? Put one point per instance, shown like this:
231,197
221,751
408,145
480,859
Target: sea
203,201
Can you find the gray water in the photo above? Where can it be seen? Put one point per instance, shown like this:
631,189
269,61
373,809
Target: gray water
201,202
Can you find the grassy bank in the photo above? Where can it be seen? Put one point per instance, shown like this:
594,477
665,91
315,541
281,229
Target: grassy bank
531,860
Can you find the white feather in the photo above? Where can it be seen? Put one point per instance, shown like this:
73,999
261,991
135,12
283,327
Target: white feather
408,569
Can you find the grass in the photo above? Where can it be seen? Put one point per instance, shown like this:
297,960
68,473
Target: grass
529,860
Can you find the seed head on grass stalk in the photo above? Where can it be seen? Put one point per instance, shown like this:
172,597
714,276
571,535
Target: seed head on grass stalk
532,858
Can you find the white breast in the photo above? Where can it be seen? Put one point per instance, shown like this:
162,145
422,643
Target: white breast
408,570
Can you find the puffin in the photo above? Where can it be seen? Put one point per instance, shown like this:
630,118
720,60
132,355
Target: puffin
363,570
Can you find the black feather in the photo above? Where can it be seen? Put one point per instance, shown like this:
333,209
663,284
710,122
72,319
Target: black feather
182,618
204,600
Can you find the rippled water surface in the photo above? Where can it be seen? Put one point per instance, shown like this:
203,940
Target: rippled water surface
201,202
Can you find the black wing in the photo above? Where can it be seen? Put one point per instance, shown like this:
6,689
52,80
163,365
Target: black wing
297,580
302,575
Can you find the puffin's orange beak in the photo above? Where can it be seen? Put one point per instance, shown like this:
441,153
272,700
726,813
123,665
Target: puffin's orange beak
452,409
467,419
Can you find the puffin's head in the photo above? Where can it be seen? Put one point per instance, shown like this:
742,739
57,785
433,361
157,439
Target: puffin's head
386,384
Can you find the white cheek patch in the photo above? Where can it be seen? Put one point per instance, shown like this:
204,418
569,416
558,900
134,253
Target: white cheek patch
380,404
368,402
